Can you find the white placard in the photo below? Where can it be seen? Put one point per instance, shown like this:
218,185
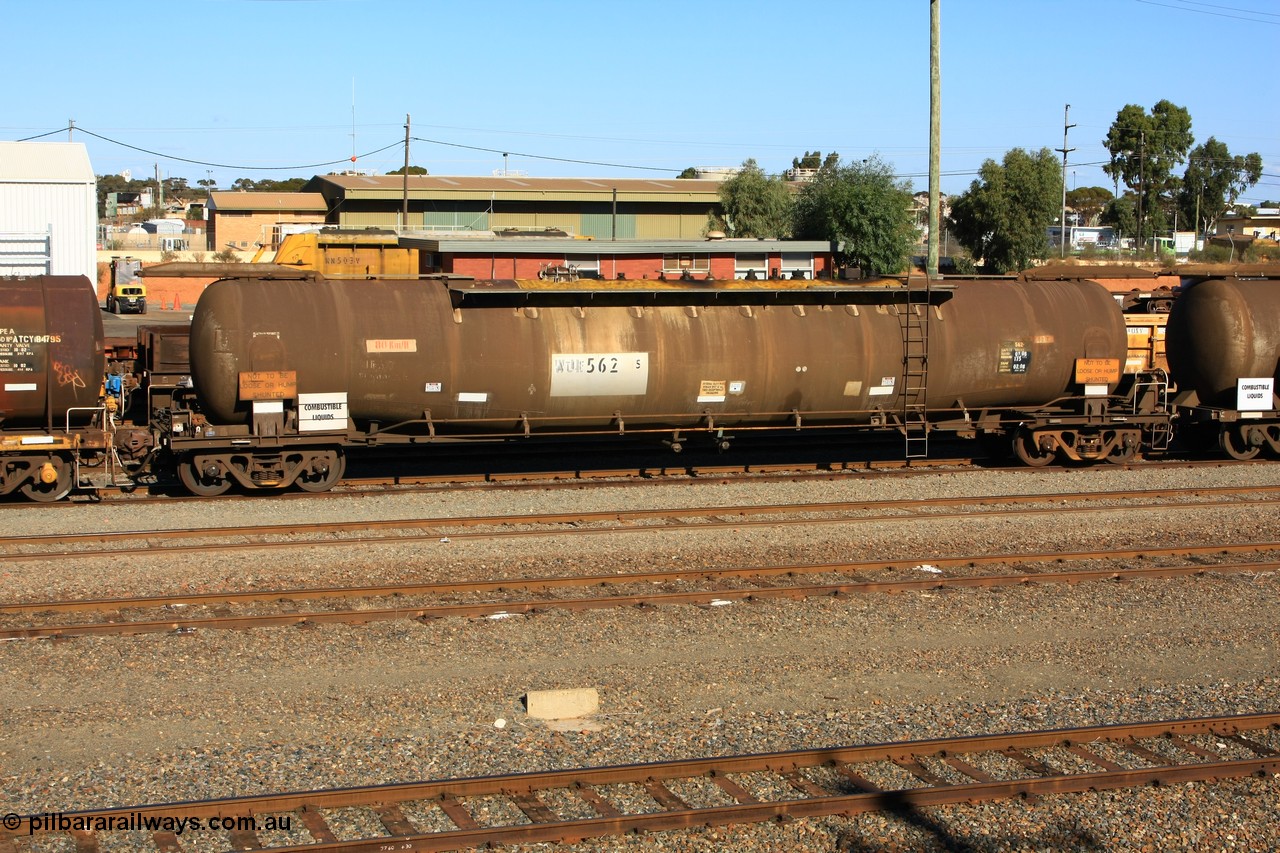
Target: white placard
20,386
599,374
1254,395
268,407
323,412
473,397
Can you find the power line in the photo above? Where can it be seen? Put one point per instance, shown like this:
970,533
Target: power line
208,163
506,152
1216,14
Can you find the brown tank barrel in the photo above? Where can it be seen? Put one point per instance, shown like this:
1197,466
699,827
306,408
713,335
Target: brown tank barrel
51,356
1221,331
399,349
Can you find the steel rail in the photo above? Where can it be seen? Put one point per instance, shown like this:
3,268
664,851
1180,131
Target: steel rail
1166,752
615,579
190,624
442,527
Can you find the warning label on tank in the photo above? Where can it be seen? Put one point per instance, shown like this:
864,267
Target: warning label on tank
319,412
1254,395
1014,357
1097,371
711,391
599,374
268,384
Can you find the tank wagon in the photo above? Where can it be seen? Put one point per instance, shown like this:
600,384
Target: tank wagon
1223,342
287,377
51,379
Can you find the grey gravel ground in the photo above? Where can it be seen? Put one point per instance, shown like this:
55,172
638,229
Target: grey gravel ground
124,720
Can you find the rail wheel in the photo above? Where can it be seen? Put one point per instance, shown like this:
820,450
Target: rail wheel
324,472
1125,452
52,481
1235,441
1027,448
207,482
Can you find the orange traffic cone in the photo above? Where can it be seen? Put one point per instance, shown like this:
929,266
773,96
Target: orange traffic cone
177,304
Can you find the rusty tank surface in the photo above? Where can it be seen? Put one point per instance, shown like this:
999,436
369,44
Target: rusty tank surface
1221,331
498,356
51,352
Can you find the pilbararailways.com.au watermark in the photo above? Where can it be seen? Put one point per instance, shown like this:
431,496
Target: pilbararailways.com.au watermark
143,822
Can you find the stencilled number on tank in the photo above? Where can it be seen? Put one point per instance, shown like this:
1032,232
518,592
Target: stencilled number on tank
599,374
604,364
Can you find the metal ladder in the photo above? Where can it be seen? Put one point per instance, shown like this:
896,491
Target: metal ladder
913,318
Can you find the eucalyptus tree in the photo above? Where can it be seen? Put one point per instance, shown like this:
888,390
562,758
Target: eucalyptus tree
1146,149
1214,180
1005,215
863,209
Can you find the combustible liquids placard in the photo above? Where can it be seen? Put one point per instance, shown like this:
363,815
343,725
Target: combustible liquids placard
1097,371
1254,395
268,385
599,374
320,412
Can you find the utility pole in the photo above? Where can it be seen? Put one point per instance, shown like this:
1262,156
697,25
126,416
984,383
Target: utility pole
71,129
1142,184
404,213
935,132
1062,222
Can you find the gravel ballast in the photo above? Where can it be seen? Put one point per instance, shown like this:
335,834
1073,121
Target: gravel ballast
100,722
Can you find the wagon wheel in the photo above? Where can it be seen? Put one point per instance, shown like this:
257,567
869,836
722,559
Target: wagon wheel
324,473
1027,448
199,483
52,481
1125,452
1236,442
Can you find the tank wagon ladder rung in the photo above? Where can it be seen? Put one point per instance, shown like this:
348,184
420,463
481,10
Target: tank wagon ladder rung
914,322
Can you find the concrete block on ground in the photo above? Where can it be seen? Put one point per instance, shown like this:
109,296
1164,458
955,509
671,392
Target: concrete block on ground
562,704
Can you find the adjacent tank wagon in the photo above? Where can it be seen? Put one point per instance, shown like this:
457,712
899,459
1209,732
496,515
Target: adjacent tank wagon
1223,342
51,368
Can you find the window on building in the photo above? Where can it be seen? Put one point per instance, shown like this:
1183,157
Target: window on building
686,261
797,265
587,266
754,264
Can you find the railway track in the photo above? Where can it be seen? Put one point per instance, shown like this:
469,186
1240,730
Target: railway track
612,522
183,614
594,802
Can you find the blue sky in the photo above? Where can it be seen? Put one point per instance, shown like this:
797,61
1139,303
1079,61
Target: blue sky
279,88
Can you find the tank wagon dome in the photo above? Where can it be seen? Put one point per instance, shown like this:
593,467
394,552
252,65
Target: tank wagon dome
1221,331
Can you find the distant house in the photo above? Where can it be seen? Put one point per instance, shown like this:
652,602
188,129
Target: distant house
48,209
242,221
1262,224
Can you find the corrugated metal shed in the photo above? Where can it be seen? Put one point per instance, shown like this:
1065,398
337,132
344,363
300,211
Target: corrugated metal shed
516,188
48,209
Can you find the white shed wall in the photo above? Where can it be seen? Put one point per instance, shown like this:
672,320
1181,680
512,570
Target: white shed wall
48,207
67,212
